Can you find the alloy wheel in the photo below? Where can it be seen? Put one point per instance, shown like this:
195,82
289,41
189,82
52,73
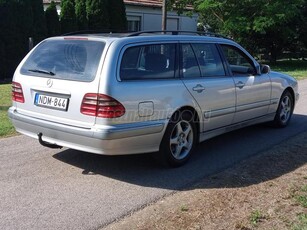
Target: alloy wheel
181,140
285,110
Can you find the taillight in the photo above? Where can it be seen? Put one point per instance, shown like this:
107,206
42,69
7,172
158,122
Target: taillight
17,93
100,105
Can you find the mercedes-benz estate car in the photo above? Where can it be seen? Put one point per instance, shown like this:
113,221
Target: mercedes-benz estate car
144,93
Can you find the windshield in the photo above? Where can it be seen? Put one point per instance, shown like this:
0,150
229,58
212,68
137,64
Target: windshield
76,60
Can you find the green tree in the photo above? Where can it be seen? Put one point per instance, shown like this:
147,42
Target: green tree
180,6
68,19
97,14
14,34
301,23
118,21
4,27
39,22
255,24
81,17
52,20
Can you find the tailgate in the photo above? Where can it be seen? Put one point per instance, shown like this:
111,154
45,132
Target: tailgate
56,76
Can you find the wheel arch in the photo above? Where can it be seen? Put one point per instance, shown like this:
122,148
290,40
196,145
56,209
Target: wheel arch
291,91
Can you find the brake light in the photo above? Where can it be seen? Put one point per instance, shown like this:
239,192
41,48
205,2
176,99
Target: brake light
100,105
17,93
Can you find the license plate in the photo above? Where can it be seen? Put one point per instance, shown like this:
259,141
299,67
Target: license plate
51,102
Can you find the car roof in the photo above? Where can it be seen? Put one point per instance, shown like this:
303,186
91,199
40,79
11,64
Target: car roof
153,36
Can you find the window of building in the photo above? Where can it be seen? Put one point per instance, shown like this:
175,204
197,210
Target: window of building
134,23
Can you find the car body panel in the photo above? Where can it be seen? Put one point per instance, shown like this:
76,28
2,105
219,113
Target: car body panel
253,98
217,101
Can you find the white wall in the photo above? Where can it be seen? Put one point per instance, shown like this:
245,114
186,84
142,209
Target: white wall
151,19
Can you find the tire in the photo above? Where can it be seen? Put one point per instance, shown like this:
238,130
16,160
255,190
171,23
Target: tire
284,111
179,140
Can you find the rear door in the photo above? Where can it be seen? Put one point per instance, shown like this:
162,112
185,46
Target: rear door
204,75
56,76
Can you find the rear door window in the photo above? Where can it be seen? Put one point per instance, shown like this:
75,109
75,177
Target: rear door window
155,61
189,63
208,59
200,60
75,60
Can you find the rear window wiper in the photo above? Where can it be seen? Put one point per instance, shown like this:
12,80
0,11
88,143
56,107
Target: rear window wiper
42,71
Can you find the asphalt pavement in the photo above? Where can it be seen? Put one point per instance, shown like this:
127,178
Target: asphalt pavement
42,188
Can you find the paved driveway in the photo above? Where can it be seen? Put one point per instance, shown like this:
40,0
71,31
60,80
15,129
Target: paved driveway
42,188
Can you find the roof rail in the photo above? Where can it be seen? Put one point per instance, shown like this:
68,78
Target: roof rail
93,32
177,32
151,32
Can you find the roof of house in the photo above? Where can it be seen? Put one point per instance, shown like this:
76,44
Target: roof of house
49,1
132,2
148,3
154,3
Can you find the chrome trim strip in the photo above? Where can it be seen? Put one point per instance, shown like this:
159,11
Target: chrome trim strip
253,105
219,112
274,101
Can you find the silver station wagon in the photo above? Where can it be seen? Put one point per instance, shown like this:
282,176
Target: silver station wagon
144,92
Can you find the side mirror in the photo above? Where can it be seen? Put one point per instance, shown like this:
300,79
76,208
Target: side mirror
265,69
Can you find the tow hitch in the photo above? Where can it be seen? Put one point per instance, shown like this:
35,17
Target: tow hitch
46,144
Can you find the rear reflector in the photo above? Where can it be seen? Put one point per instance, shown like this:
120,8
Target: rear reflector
100,105
17,93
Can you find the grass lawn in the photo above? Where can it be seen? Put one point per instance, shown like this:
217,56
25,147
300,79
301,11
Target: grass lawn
6,128
297,69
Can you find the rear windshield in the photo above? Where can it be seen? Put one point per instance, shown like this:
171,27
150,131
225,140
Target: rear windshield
75,60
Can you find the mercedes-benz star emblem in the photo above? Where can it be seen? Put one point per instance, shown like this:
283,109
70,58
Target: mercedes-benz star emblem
49,83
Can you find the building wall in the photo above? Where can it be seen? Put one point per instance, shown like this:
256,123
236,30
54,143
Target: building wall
150,19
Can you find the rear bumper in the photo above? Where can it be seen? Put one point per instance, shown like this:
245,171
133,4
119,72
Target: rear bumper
119,139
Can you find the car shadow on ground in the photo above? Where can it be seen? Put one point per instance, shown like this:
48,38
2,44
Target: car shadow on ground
210,157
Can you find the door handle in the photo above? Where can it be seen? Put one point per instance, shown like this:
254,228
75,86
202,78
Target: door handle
240,84
198,88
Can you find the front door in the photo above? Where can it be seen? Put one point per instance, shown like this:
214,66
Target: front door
253,91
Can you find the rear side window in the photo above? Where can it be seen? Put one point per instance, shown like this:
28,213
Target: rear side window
148,62
76,60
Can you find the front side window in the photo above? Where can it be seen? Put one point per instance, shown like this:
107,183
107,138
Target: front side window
148,62
76,60
239,63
